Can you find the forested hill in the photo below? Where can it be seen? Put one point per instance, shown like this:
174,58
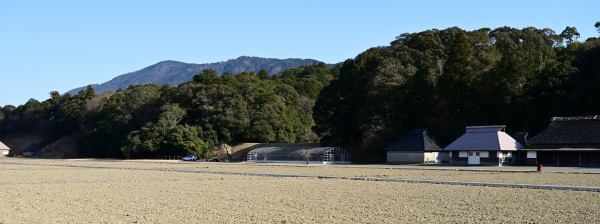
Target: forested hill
442,80
146,121
446,79
174,72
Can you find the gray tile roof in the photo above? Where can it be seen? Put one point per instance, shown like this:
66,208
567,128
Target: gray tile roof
484,138
3,146
414,140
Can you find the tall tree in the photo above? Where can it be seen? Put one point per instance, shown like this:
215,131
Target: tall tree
570,34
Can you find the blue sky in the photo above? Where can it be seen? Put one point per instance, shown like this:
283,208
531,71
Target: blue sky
60,45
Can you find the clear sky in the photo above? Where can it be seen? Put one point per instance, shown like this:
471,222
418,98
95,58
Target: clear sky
60,45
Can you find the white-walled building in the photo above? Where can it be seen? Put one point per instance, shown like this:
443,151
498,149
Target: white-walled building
484,145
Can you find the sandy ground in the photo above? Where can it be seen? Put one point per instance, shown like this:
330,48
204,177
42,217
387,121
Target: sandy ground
572,179
67,191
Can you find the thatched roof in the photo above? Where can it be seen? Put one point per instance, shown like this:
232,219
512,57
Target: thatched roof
569,132
484,138
3,146
414,140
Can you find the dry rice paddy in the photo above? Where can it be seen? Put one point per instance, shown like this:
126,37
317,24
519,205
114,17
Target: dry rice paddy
85,191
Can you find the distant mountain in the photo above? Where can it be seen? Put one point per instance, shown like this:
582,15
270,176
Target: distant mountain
174,72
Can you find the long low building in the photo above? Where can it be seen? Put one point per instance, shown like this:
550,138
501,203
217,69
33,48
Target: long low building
299,153
567,141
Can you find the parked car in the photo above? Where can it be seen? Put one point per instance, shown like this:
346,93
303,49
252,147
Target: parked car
189,158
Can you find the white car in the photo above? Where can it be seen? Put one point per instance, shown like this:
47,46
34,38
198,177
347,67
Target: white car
189,158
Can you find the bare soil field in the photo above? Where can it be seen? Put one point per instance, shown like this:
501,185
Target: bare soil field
572,179
84,191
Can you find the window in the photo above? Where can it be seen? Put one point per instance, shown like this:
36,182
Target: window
485,154
476,153
470,153
531,155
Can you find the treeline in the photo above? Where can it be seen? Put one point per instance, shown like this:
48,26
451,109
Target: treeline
446,79
150,120
436,79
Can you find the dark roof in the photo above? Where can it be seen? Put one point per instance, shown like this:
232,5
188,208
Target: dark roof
34,147
484,128
521,137
574,132
414,140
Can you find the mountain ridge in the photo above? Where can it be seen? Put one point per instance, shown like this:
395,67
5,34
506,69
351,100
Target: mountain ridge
171,72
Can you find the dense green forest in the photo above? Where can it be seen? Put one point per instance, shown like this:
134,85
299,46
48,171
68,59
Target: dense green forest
150,120
436,79
446,79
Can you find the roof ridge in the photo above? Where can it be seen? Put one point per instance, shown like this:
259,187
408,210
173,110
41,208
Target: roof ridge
589,117
487,126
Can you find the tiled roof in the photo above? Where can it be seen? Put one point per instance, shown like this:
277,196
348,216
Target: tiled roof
415,140
484,138
592,117
485,128
521,137
3,146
